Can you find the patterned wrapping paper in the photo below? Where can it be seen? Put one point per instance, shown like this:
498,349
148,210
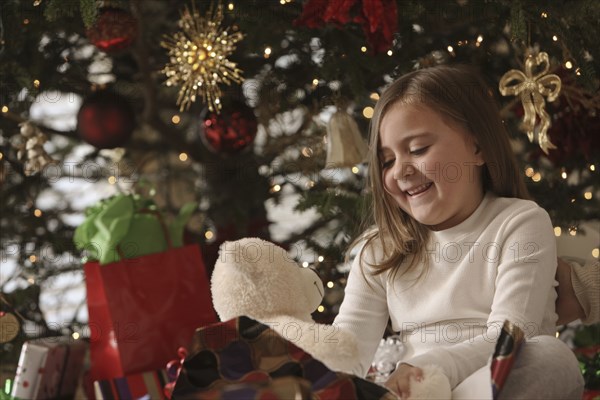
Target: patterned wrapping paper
507,349
148,385
244,359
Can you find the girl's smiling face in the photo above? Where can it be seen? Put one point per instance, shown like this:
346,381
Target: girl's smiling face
430,167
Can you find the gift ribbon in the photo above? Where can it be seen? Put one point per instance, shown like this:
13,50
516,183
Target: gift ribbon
173,370
532,89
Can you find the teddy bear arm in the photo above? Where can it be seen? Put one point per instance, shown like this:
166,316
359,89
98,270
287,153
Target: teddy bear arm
335,348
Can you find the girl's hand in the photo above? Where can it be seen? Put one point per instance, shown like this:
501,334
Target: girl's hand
399,381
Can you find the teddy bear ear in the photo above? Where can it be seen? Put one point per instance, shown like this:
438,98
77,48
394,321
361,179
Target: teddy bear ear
247,254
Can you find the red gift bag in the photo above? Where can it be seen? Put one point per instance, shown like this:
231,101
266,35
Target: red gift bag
141,310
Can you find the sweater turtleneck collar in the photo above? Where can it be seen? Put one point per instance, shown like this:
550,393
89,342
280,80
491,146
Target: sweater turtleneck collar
466,227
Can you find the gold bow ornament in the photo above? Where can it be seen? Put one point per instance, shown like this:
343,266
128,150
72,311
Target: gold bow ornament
532,89
30,149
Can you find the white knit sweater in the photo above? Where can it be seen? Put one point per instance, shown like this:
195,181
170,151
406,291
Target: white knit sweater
496,265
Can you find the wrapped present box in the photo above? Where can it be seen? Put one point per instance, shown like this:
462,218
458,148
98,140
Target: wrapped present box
49,368
244,359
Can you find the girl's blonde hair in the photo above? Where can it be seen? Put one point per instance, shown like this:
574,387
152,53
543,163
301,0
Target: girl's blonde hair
458,94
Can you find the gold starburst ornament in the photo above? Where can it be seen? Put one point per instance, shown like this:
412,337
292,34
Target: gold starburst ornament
198,58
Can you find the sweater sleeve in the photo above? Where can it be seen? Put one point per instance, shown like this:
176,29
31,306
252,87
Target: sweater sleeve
586,285
526,254
364,312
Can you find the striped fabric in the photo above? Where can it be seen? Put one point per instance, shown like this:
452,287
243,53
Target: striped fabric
147,385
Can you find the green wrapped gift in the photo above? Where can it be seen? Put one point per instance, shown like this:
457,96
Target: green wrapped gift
129,226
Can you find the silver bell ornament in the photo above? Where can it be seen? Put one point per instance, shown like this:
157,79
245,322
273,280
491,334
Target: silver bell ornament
345,145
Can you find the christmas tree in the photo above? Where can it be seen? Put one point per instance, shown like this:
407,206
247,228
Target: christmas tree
250,107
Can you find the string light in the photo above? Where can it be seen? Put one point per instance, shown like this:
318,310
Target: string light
320,309
33,259
275,188
268,52
112,180
368,112
557,231
536,177
315,82
31,280
572,231
329,284
363,49
592,167
596,252
355,170
175,119
578,71
37,212
450,49
563,175
587,195
75,335
544,14
321,258
4,109
282,2
568,65
305,264
1,156
389,53
26,21
37,3
555,38
374,96
209,235
230,6
36,83
183,156
573,200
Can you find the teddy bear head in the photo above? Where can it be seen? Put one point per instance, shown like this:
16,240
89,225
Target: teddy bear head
258,279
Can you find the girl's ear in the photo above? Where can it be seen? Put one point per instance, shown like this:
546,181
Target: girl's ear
479,155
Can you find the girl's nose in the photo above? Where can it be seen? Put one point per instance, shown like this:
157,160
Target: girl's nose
403,170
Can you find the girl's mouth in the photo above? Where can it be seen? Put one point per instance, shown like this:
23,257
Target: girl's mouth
419,189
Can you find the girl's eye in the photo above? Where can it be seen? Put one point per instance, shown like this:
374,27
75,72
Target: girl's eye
419,151
387,164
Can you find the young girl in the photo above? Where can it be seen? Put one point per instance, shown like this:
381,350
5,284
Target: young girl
457,247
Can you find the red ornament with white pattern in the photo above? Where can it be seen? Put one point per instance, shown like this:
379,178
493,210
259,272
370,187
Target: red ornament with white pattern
232,130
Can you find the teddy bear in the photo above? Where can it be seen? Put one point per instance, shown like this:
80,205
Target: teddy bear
258,279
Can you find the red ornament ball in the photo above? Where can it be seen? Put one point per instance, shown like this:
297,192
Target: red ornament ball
105,120
231,131
114,30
